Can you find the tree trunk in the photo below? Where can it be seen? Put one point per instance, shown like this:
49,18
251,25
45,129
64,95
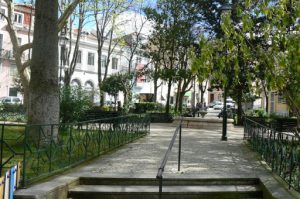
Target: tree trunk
266,98
201,96
155,80
239,109
177,103
168,96
180,99
126,99
155,90
101,102
202,91
44,91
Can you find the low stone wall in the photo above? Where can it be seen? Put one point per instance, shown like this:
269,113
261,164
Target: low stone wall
202,123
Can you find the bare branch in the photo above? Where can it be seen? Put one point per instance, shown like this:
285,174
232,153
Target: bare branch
25,65
69,10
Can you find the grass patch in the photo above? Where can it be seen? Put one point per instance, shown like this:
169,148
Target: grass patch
74,145
12,144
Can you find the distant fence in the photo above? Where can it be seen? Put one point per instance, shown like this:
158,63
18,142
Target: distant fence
12,116
10,182
281,151
48,149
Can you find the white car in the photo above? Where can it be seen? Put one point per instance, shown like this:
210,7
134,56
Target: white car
230,103
212,104
10,100
218,105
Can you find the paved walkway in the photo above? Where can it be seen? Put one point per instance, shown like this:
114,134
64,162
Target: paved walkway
203,156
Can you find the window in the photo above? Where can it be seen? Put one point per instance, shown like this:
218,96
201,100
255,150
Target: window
18,18
114,63
16,100
13,92
91,57
78,59
281,99
3,12
7,100
13,70
103,60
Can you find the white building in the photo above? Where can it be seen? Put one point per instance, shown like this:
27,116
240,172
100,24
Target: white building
8,69
86,71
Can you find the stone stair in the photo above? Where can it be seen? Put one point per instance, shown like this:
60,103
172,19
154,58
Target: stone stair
147,188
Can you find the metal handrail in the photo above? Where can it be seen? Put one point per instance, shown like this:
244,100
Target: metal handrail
161,169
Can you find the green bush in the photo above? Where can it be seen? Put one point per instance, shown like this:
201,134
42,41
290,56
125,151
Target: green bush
144,107
257,113
74,102
161,118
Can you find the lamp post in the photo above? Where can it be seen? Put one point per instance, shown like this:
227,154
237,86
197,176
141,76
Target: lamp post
62,42
225,8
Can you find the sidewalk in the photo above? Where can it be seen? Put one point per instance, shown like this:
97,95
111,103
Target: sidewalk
203,156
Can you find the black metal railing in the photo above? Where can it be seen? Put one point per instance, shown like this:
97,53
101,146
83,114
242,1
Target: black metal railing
11,145
281,151
48,149
161,169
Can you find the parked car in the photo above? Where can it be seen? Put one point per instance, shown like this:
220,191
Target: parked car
230,103
10,100
212,104
218,106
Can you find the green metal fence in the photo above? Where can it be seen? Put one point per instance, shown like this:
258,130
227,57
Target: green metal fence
48,149
280,150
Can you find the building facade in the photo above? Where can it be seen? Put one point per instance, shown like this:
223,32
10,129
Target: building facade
86,70
8,69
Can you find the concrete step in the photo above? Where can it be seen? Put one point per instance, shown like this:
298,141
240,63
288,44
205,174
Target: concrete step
179,188
167,181
169,192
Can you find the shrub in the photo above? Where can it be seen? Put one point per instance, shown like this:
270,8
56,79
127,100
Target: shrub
147,107
257,113
161,118
74,102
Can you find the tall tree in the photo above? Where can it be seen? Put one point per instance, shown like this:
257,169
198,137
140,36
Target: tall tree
77,18
133,47
174,22
44,91
105,13
238,72
20,50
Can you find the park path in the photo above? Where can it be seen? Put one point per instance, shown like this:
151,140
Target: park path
204,155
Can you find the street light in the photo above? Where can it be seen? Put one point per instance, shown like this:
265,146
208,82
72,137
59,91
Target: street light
63,43
225,8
